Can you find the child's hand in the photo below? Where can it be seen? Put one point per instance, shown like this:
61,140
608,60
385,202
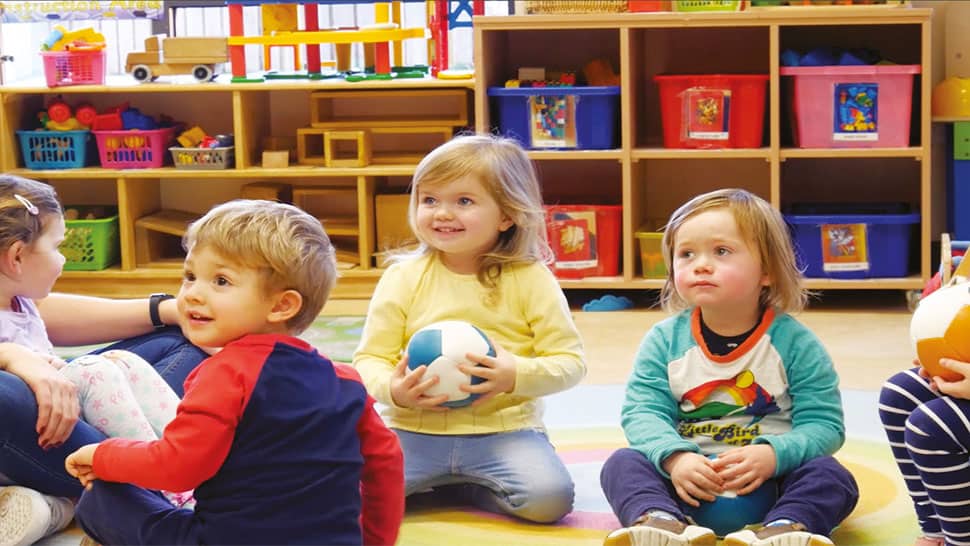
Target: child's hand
80,464
743,469
693,476
959,388
407,388
498,372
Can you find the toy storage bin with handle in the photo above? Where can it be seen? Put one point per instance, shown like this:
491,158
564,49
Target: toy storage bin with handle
582,118
90,244
203,158
855,241
63,68
866,106
712,111
651,253
585,240
133,149
54,149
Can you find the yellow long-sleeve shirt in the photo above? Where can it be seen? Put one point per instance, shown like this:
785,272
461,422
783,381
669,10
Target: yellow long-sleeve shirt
531,320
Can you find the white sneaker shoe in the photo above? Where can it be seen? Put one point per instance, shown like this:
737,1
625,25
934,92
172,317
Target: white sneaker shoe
27,516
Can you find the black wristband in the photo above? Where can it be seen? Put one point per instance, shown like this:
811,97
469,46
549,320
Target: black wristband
153,302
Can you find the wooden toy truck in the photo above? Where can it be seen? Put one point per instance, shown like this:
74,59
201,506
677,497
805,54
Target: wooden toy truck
189,55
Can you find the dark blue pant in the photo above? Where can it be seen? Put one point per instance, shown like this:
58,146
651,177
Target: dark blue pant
120,513
930,438
24,462
819,494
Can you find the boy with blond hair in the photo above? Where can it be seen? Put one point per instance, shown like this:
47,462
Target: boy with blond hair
281,445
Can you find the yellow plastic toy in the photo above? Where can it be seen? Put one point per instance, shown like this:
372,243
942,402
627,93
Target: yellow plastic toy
84,39
951,98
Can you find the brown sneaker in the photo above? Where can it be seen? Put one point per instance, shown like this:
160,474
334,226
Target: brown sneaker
789,534
88,541
653,531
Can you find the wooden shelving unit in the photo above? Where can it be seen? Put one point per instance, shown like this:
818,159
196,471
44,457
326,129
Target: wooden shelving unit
155,205
650,181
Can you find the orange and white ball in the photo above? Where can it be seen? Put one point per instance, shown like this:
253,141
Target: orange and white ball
940,328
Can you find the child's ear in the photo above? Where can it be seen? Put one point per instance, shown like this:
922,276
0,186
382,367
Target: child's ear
288,304
505,224
11,261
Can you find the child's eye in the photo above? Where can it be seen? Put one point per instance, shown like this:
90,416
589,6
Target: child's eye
188,276
428,200
723,251
222,281
685,254
465,201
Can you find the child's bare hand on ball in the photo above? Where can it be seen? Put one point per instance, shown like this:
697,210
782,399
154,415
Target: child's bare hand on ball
408,388
959,388
498,373
744,469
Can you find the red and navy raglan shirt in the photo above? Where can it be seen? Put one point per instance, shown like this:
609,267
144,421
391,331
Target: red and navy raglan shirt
281,446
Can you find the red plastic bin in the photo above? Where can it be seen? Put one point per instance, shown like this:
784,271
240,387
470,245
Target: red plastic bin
134,149
585,239
851,106
62,68
712,111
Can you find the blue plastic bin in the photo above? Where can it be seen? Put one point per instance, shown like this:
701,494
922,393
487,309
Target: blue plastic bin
858,241
54,149
558,118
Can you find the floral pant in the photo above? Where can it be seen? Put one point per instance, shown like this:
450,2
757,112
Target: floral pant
124,397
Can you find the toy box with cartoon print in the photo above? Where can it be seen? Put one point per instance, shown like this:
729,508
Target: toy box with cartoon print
583,118
585,240
855,241
867,106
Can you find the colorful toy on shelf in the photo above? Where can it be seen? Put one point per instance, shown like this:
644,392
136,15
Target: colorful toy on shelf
61,39
182,55
376,39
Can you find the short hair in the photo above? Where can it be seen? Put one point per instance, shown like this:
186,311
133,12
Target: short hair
285,242
509,176
17,222
762,227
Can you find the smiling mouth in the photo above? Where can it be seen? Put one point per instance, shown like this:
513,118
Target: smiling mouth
199,317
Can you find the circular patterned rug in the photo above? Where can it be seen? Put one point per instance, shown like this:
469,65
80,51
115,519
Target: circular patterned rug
883,516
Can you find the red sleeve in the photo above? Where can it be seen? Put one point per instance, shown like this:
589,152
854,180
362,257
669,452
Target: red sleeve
382,478
195,443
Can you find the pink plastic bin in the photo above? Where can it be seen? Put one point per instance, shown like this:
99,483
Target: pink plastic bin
133,149
851,106
63,68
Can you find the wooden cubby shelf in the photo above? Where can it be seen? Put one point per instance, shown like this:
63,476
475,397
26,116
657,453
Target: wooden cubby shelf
651,180
639,173
403,120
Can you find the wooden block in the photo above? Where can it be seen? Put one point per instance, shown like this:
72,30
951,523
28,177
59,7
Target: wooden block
383,108
276,159
195,50
391,213
309,146
398,145
279,143
346,148
269,191
535,74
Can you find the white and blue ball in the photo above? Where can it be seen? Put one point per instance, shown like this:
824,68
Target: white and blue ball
441,347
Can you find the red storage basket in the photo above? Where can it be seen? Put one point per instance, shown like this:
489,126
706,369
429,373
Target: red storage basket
712,111
63,68
585,239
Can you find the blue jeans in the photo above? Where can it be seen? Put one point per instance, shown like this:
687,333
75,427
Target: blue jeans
25,463
516,473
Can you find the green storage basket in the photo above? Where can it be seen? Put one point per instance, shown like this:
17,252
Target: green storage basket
707,5
90,245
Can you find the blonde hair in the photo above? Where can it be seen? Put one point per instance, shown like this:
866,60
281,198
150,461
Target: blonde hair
17,221
510,178
287,244
763,228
